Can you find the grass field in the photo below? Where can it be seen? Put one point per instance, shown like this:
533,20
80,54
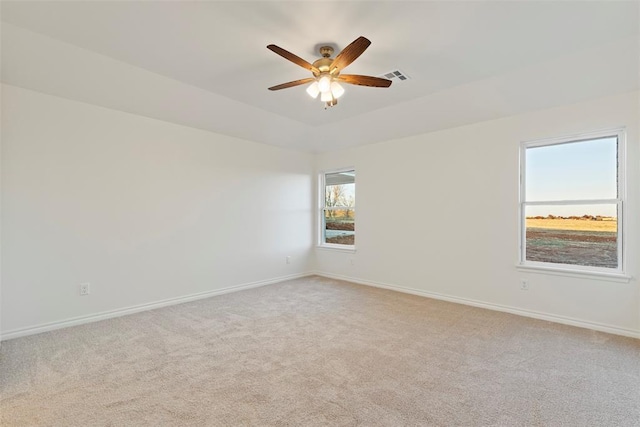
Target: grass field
573,241
573,224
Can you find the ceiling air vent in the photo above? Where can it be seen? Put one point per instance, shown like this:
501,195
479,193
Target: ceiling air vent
394,75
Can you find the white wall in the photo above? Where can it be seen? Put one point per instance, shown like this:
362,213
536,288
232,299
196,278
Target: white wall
146,211
142,209
437,215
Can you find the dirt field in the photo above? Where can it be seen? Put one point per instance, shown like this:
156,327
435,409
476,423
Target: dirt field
564,241
576,247
573,224
340,225
342,240
344,226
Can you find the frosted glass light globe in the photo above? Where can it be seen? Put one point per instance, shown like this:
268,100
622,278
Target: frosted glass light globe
313,90
324,83
336,90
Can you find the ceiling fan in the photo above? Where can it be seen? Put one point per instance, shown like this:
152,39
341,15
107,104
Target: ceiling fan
326,71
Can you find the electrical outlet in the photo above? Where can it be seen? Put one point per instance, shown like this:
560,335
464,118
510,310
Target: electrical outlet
524,285
84,289
288,260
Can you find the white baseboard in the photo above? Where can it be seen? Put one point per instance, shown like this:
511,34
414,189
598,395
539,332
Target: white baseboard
22,332
32,330
496,307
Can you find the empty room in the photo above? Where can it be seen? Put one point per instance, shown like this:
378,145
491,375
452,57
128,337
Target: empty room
310,213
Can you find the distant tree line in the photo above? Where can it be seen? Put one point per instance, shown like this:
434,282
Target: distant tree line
583,217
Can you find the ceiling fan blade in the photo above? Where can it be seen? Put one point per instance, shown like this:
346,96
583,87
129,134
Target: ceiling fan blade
350,54
355,79
293,58
292,84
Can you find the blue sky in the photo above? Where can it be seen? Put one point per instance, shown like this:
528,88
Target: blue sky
579,170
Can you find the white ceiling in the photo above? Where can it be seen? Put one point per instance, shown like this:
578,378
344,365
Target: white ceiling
205,64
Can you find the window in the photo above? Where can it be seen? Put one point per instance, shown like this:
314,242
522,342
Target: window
338,208
571,202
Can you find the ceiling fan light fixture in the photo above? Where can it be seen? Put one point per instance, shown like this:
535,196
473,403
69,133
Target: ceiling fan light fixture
324,83
313,90
336,89
327,71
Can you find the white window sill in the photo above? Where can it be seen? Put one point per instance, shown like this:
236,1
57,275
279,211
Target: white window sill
582,274
337,248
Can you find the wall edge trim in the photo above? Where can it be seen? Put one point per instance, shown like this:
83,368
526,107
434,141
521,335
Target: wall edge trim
81,320
565,320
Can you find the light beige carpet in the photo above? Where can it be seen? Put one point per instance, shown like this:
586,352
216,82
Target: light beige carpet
320,352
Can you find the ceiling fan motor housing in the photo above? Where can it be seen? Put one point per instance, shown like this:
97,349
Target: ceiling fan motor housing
323,64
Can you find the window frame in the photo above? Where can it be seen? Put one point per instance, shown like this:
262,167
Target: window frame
321,210
620,201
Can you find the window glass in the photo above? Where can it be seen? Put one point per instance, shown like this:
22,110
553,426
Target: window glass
568,235
570,203
577,170
338,208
